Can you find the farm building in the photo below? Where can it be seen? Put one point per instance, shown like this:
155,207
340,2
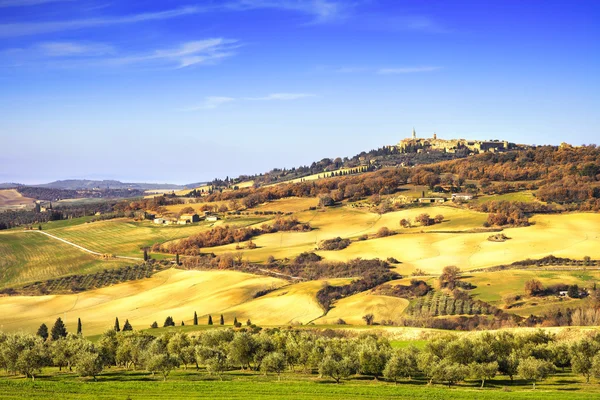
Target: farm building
462,196
432,200
158,221
212,218
188,219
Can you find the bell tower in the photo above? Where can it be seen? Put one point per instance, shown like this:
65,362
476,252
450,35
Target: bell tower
414,134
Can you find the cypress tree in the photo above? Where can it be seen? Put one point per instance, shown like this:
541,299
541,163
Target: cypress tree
177,258
59,329
235,321
79,326
145,254
117,326
43,331
127,326
222,321
210,320
182,323
195,318
154,325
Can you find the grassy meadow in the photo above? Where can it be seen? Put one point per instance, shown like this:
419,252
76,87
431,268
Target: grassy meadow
189,384
27,257
172,292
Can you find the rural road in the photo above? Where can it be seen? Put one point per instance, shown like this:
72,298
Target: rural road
83,248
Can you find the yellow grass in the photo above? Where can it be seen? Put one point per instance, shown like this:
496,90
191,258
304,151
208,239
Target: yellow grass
352,308
295,303
289,204
173,293
11,199
566,235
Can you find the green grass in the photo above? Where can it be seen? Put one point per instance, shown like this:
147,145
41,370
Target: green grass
493,286
125,237
524,197
27,257
116,384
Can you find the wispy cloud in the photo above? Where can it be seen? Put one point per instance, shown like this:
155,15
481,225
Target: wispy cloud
379,71
71,49
212,102
207,51
320,10
33,28
407,70
282,96
400,23
22,3
85,54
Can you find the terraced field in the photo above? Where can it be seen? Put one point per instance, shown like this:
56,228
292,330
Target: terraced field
28,257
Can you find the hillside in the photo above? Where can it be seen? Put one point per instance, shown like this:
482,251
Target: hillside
526,204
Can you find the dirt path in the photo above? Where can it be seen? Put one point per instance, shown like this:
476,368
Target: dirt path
83,248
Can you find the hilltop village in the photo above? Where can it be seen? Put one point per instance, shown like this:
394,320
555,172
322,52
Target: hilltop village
414,144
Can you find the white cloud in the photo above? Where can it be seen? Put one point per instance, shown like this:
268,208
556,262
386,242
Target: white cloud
32,28
70,49
21,3
406,70
210,102
86,54
321,10
282,96
207,51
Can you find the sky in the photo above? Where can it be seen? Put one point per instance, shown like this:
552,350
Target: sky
186,91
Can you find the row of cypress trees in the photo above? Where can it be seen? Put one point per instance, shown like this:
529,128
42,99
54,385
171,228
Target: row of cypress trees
59,329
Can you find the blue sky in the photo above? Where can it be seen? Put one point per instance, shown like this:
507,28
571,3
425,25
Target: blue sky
178,91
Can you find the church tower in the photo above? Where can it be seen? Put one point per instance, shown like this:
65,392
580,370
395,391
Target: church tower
434,136
414,134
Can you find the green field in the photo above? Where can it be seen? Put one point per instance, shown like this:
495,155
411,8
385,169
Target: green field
116,384
29,256
126,237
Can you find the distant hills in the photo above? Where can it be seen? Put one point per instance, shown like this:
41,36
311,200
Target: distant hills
88,184
9,185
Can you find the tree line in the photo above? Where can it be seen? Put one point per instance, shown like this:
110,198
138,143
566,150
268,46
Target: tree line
446,359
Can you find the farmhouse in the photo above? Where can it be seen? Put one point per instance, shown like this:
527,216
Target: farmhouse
212,218
188,219
432,200
158,221
462,196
